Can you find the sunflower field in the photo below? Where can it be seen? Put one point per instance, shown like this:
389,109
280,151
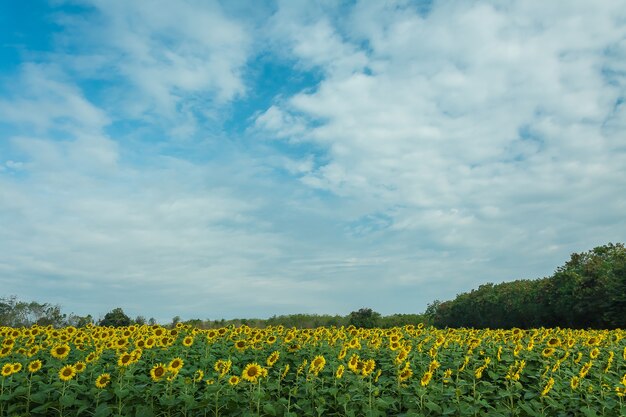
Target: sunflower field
277,371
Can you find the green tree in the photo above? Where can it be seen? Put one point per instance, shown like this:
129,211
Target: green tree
115,318
589,291
365,318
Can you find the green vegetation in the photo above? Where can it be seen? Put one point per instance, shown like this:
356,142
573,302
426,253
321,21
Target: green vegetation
589,291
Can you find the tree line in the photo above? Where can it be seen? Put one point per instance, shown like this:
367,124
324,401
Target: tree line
16,313
589,291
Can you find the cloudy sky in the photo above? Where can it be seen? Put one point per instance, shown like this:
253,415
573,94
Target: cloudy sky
251,158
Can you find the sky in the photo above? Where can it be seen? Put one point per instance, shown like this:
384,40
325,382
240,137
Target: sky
223,159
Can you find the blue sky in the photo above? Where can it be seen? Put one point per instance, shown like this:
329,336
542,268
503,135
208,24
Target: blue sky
245,159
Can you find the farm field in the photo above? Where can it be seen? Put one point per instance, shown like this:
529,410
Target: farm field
277,371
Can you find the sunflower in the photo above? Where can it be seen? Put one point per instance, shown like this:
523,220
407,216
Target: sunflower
368,367
547,352
150,342
624,380
293,347
585,369
7,369
80,366
353,362
125,359
252,372
5,351
554,342
340,370
198,375
240,345
342,353
426,378
317,364
103,380
405,374
176,364
67,372
136,354
157,372
285,372
188,341
548,387
16,367
401,357
575,381
595,352
60,351
233,380
222,367
271,340
273,358
34,366
473,343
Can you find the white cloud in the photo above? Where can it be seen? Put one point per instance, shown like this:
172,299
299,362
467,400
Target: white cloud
164,59
42,98
478,127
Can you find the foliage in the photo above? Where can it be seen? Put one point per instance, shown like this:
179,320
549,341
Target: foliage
116,318
589,291
14,312
327,371
365,318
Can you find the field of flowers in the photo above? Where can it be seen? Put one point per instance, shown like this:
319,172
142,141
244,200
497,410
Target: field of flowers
408,371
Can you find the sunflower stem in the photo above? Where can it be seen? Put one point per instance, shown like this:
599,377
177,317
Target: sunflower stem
62,395
2,393
258,399
30,383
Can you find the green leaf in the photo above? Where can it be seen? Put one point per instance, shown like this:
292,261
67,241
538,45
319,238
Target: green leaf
102,410
434,407
67,400
42,409
144,411
38,398
82,409
589,412
529,410
269,409
448,410
122,393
